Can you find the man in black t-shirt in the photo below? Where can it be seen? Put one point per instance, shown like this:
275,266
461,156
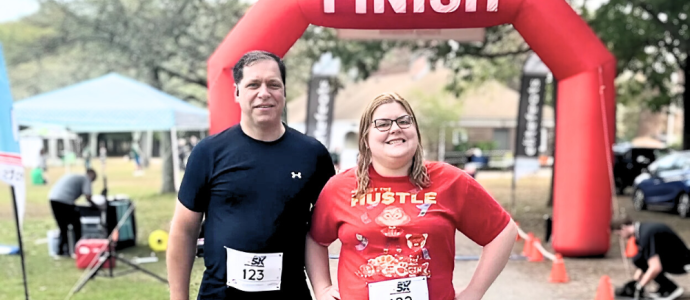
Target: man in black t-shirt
255,184
660,251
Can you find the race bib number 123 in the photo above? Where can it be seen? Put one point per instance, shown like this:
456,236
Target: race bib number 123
254,272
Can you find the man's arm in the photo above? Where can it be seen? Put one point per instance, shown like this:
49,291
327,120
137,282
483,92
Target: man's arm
184,231
638,275
86,189
492,261
654,268
88,199
94,205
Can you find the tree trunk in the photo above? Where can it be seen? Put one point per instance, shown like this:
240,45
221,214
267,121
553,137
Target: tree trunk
166,155
168,177
686,104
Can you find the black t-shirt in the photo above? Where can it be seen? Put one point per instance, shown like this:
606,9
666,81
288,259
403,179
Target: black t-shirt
659,239
256,197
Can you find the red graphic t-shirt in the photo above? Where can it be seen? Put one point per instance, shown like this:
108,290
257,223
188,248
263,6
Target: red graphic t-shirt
397,230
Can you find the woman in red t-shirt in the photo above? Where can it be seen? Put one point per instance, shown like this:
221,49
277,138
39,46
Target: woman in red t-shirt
396,217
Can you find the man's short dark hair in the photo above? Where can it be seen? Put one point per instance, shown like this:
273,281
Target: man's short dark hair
252,57
91,172
617,223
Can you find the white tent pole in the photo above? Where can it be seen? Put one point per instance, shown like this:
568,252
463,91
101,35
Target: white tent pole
148,146
65,150
93,144
52,148
175,158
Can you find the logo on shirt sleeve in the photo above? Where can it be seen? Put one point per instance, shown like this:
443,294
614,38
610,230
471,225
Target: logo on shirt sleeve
296,175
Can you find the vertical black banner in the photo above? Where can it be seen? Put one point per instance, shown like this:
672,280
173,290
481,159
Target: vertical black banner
528,133
320,102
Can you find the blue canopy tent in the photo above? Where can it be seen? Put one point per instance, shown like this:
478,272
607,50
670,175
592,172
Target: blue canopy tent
112,103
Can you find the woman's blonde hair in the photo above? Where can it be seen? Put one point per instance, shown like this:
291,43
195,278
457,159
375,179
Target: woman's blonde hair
418,173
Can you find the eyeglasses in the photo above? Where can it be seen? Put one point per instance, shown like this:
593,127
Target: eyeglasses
384,125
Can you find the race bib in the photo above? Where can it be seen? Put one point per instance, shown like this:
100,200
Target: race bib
414,288
254,272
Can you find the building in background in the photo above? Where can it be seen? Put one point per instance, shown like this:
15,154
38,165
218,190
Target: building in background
487,116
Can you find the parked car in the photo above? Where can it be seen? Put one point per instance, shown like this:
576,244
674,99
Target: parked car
629,162
665,184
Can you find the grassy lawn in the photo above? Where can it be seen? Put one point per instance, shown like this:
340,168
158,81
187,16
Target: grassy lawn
53,279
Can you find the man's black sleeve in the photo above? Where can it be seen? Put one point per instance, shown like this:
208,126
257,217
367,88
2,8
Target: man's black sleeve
194,192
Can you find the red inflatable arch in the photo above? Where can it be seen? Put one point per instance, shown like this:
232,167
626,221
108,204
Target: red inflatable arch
577,58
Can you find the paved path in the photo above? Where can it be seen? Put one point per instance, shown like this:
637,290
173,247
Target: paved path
523,280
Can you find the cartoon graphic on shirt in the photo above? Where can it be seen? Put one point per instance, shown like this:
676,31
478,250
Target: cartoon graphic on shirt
395,267
365,218
397,264
392,217
363,242
416,243
424,207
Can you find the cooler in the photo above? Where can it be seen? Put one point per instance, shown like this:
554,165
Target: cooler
94,228
88,249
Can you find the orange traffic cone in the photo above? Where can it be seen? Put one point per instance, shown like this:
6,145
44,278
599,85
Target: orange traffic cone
527,248
536,255
605,290
558,274
631,248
